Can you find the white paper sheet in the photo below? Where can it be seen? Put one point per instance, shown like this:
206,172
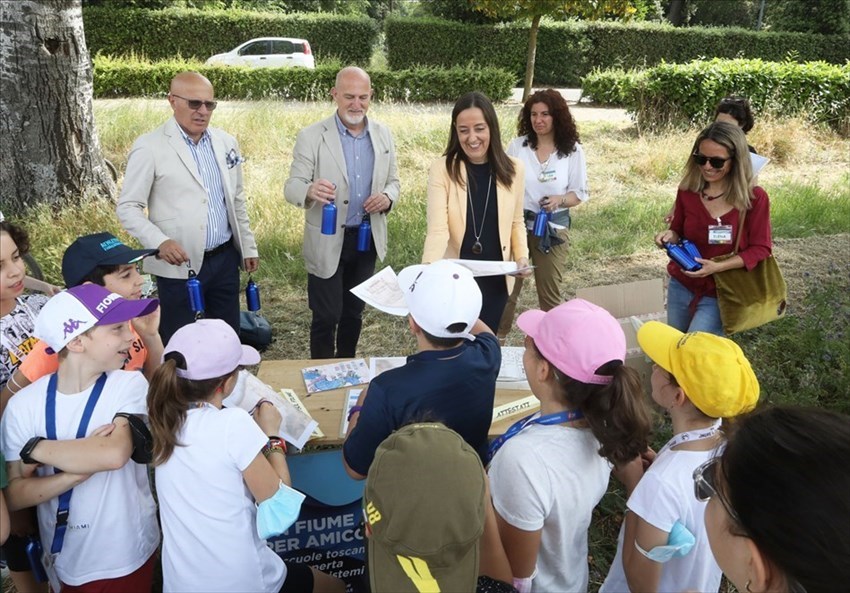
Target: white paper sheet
295,427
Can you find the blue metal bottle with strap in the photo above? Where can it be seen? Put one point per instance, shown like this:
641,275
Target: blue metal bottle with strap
252,295
196,294
364,234
329,219
540,223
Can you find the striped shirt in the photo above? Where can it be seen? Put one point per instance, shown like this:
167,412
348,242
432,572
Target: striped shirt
218,227
359,164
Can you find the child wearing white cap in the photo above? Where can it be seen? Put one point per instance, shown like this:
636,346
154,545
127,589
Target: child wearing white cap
697,378
214,466
82,427
549,470
452,377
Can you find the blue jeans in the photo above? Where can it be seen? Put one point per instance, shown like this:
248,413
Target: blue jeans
705,319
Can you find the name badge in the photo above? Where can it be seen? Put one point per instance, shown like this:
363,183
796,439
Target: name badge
719,234
546,176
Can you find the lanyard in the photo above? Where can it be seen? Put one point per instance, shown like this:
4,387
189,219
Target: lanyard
516,427
50,418
692,435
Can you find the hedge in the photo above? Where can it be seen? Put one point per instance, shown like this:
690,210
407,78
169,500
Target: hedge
199,34
686,94
567,51
115,77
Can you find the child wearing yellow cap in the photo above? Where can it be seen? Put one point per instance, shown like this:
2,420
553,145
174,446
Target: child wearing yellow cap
698,378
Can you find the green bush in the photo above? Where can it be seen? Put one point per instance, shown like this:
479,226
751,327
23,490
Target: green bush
174,32
686,94
118,77
567,51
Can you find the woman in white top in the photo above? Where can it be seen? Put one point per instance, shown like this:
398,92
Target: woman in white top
549,470
555,181
212,465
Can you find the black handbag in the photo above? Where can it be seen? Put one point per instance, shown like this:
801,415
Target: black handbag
254,330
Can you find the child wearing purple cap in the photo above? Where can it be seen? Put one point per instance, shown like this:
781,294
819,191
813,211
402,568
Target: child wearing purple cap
219,471
76,432
549,470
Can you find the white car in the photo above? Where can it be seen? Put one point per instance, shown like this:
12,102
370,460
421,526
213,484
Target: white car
268,52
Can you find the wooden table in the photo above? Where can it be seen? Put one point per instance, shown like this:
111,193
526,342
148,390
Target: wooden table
326,406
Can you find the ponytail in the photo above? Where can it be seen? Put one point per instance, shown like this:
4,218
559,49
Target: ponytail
617,413
169,398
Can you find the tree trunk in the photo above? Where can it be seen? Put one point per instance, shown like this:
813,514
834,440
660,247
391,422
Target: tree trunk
532,55
676,14
48,139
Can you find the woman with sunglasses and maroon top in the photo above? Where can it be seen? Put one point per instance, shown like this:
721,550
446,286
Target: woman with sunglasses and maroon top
778,514
716,190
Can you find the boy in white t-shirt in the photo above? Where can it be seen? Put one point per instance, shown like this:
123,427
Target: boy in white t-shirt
697,378
79,429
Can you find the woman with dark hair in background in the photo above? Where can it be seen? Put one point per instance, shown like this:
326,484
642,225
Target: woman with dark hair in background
555,180
475,196
717,188
778,516
736,110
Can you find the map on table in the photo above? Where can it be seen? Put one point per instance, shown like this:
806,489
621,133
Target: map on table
335,375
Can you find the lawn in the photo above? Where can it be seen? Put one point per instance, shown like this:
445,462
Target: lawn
803,358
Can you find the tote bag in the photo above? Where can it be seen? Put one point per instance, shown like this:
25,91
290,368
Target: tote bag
748,299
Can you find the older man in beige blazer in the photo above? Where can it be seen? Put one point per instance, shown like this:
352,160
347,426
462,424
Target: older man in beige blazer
350,160
188,177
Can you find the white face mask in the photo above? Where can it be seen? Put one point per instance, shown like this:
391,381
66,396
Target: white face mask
277,514
679,544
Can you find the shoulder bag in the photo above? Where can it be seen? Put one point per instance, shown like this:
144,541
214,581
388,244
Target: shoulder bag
749,298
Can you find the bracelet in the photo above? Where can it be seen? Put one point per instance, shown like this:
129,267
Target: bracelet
27,449
274,444
354,410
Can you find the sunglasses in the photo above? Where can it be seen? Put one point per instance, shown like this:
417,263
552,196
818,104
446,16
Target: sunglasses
716,161
705,485
195,104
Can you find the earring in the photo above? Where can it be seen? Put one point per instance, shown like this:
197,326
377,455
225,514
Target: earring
747,586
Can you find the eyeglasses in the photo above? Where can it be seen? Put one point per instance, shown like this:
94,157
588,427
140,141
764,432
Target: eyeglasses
716,161
195,104
705,485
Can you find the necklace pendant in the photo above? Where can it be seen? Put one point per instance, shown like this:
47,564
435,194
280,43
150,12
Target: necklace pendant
477,248
542,178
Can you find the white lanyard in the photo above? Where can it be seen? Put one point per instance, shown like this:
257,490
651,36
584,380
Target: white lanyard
692,435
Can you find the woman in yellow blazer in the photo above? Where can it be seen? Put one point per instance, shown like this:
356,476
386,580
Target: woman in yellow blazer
475,198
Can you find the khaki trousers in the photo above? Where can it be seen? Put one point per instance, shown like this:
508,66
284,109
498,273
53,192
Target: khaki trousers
548,276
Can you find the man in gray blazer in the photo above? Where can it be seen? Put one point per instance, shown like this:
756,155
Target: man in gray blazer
350,160
189,178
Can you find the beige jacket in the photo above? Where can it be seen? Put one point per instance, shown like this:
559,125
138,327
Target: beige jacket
447,203
163,179
318,155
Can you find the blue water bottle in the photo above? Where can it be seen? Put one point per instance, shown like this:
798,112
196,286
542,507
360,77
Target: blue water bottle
329,219
540,223
252,295
196,295
678,254
364,234
691,249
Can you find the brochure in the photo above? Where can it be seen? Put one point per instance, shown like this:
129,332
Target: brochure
335,375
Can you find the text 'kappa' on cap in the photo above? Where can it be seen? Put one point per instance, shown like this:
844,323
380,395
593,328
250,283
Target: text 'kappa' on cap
76,310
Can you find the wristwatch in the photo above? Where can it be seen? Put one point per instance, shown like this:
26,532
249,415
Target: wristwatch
27,449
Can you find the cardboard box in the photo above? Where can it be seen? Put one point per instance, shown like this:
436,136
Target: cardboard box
632,303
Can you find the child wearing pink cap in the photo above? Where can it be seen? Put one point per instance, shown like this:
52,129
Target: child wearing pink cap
548,471
220,472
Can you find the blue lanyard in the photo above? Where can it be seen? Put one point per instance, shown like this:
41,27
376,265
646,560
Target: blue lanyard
50,420
516,427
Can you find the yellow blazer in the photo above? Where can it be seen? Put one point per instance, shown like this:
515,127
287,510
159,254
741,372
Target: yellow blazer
447,215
